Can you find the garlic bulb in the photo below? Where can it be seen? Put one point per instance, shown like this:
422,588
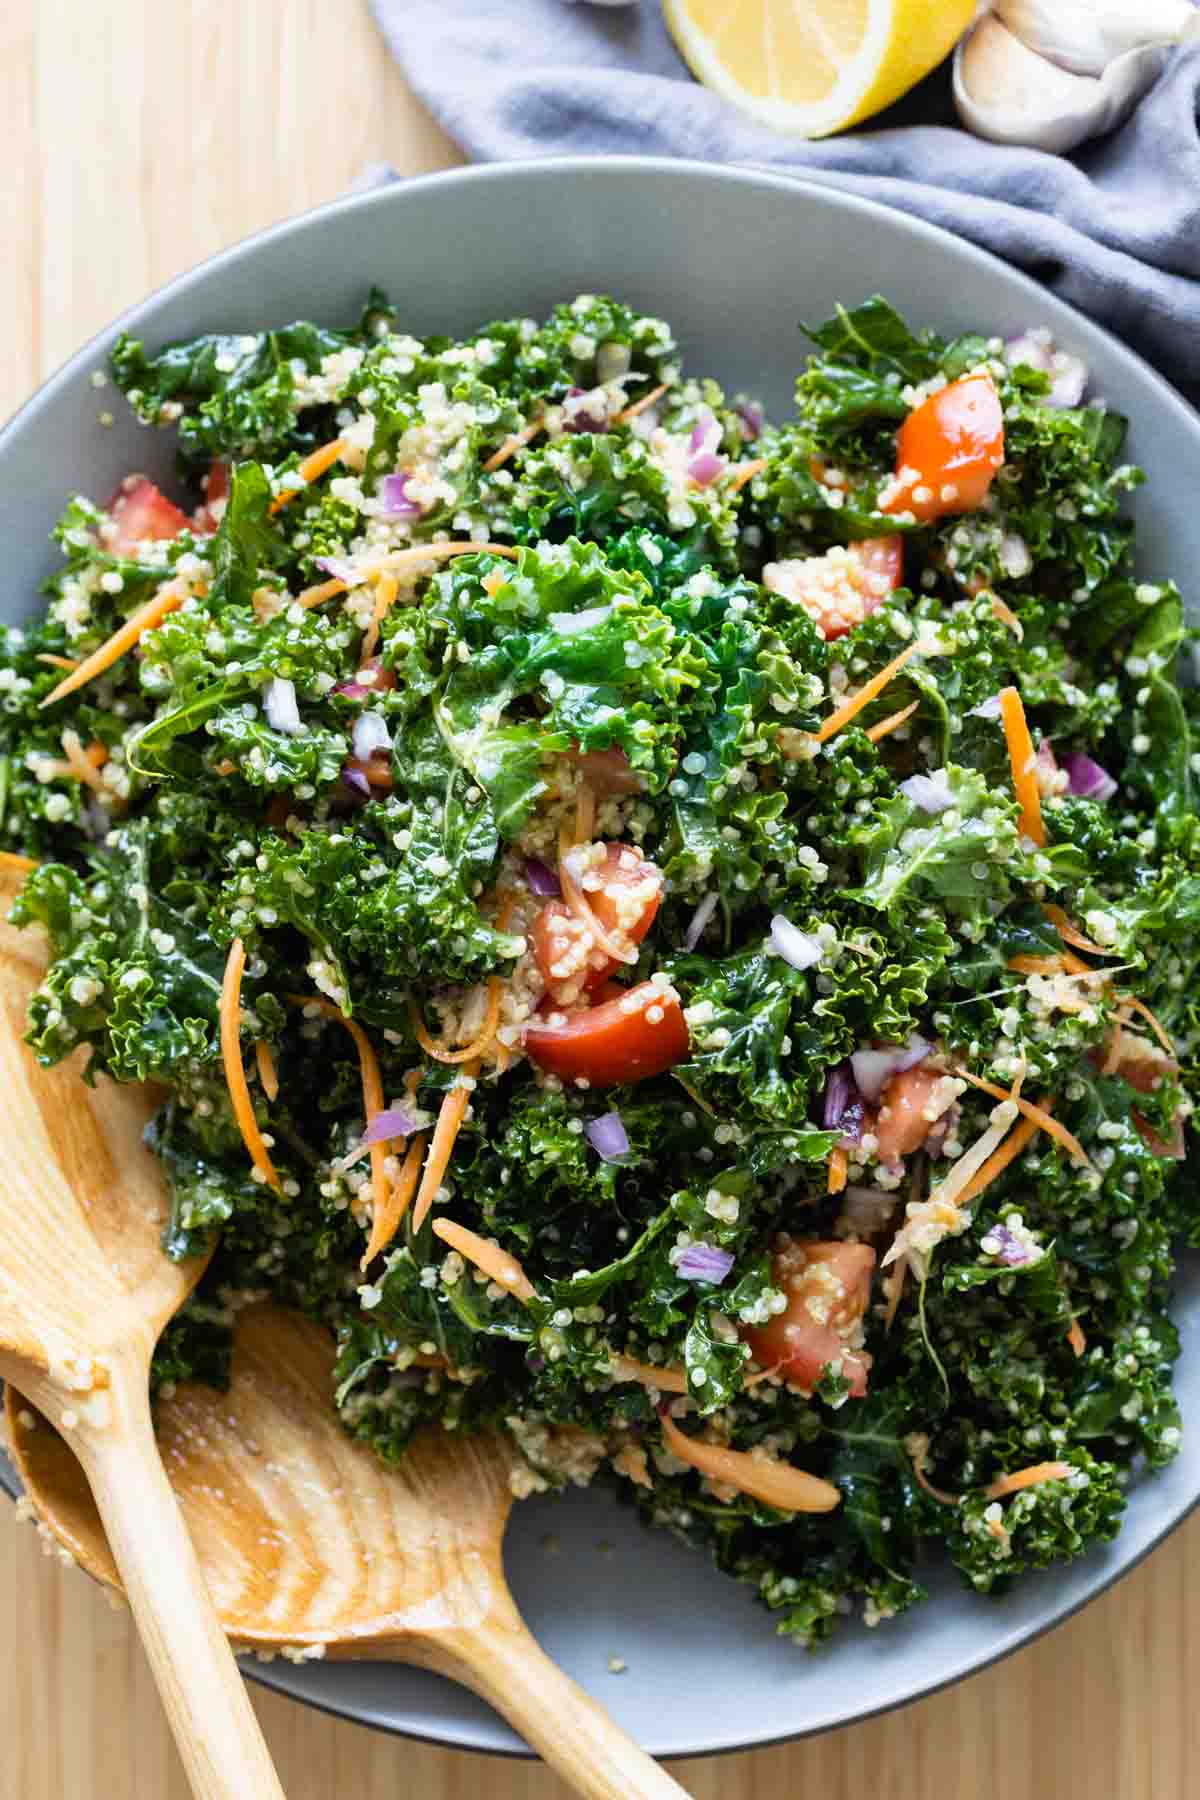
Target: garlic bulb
1084,36
1008,93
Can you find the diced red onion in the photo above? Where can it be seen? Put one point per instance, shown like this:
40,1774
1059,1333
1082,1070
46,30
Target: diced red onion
932,793
795,946
704,464
704,1262
591,418
352,690
873,1069
1009,1248
370,736
338,566
753,419
1068,374
1030,347
397,501
613,360
706,432
542,879
608,1137
699,920
1088,781
392,1122
644,424
279,704
987,709
357,783
839,1090
567,624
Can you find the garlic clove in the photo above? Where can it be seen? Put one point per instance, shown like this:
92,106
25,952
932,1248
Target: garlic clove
1085,36
1006,92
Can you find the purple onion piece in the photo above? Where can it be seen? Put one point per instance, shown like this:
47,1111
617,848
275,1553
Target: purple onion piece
357,783
392,1122
987,709
793,945
608,1137
699,920
1068,382
703,1262
873,1069
839,1091
279,705
542,879
583,419
338,566
1088,781
352,690
932,793
853,1123
752,417
706,466
370,736
706,432
397,503
1010,1250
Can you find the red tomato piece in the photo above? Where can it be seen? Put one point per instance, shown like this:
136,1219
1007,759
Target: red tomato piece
641,1034
216,489
828,1286
624,904
947,451
900,1125
139,512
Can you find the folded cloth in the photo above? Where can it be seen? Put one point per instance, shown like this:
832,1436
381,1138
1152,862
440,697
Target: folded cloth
1114,229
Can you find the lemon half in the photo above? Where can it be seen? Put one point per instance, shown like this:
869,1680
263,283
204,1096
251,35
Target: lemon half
814,66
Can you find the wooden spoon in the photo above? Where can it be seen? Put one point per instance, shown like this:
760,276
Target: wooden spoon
85,1291
311,1544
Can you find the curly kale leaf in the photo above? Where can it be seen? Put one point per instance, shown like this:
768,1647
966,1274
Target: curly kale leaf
960,856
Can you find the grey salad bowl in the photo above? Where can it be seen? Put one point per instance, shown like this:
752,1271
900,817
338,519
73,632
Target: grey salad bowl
735,260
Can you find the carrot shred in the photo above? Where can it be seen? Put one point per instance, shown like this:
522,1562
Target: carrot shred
481,1043
691,1093
508,449
1021,757
1035,965
639,406
20,865
85,765
926,1486
324,590
1070,934
585,814
387,1214
487,1255
1116,1045
312,468
577,900
230,1014
998,1161
886,726
898,1278
372,1084
669,1379
851,708
1045,1120
265,1064
1008,617
449,1122
746,472
1139,1006
1026,1478
168,598
839,1164
386,589
57,662
1075,965
1076,1338
774,1483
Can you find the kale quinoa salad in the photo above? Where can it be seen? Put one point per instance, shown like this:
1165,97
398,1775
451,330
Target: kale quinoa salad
670,934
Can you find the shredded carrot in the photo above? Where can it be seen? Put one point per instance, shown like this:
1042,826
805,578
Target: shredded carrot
58,662
1026,1478
693,1095
386,589
639,406
324,590
1035,965
388,1213
1139,1006
1039,1114
839,1164
168,598
585,814
230,1014
746,472
935,1493
1021,757
311,469
774,1483
850,709
898,1277
85,765
1008,617
1070,934
481,1042
998,1161
20,865
577,900
265,1063
886,726
1076,1338
1075,965
487,1255
512,444
668,1379
372,1084
449,1121
492,582
1116,1045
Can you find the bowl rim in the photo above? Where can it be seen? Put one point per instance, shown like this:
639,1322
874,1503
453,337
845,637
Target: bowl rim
837,200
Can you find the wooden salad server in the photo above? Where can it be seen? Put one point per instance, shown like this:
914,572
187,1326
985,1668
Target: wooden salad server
312,1545
85,1291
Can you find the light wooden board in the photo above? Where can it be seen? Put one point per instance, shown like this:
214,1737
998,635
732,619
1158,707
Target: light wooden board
140,138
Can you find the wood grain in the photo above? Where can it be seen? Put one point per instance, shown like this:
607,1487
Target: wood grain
141,138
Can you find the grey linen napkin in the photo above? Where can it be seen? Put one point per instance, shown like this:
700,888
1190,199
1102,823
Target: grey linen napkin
1114,229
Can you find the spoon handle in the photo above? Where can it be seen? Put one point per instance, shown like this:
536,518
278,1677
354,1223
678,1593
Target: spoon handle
502,1662
202,1691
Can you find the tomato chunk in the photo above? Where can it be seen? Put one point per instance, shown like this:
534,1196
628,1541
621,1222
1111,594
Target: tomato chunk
900,1125
216,489
140,512
641,1034
625,903
947,451
842,588
828,1285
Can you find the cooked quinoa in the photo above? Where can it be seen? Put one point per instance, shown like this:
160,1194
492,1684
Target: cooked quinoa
671,935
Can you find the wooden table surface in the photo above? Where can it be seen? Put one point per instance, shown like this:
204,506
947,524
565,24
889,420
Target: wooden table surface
142,138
